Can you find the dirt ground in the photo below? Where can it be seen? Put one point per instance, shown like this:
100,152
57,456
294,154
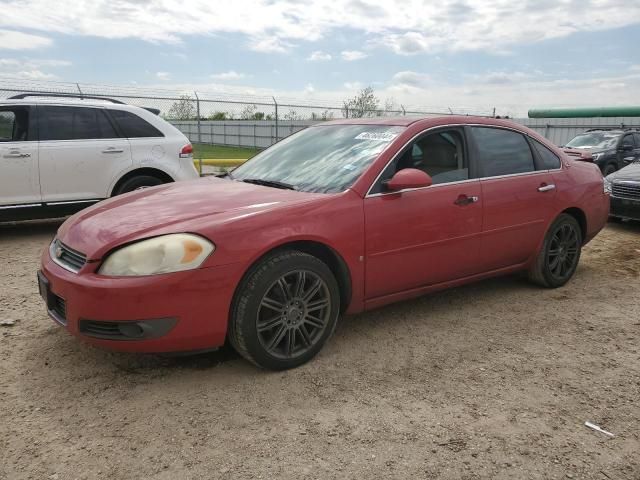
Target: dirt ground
492,380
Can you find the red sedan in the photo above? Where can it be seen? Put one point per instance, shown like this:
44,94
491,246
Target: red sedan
342,217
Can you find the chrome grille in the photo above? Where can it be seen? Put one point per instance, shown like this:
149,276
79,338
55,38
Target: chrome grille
67,257
626,190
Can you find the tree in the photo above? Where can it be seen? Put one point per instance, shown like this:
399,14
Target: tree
364,104
218,116
183,109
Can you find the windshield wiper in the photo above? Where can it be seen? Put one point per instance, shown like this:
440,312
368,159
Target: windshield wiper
270,183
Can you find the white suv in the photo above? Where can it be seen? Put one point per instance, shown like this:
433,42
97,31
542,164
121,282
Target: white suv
58,156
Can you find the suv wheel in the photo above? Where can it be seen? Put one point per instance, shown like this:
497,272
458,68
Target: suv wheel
609,169
284,311
560,253
138,182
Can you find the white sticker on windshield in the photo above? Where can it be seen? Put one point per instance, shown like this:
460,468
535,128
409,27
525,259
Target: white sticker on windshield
349,167
378,136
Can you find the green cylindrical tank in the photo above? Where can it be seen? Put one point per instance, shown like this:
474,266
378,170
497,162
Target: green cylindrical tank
584,112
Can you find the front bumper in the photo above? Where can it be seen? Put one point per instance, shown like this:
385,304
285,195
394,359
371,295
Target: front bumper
183,311
625,208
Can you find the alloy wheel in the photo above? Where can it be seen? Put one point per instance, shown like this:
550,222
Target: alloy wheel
562,255
293,314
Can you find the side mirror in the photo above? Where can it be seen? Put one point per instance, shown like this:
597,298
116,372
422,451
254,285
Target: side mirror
408,178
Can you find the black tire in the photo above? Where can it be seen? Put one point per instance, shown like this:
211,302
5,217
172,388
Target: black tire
609,169
558,259
139,181
271,324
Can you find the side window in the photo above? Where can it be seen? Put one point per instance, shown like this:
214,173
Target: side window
549,159
439,154
502,152
14,124
132,126
628,140
74,123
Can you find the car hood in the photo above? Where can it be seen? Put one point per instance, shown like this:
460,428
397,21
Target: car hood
177,207
578,154
628,173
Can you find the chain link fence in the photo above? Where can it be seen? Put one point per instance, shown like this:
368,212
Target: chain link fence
223,119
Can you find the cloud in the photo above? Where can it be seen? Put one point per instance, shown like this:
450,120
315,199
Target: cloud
319,56
31,68
353,85
407,28
270,45
163,75
309,89
410,78
12,40
231,75
352,55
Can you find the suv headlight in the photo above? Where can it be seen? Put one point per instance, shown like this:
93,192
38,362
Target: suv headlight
164,254
606,184
596,156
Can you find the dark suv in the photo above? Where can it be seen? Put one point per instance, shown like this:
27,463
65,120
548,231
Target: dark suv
611,150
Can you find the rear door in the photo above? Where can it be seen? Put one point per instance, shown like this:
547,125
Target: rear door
81,153
19,176
518,197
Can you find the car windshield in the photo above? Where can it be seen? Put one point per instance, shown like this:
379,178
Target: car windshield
324,159
594,140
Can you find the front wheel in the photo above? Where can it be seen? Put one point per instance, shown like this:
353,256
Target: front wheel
609,169
138,182
284,311
558,259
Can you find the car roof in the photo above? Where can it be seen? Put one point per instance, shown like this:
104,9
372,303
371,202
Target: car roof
433,120
76,102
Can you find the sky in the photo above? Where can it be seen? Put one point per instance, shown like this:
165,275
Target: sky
463,55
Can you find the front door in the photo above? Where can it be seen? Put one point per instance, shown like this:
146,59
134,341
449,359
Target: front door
429,235
19,176
80,153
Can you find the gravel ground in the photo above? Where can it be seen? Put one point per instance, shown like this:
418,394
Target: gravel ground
492,380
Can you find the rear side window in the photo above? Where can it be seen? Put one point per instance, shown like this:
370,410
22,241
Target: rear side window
74,123
548,159
628,140
14,124
132,126
502,152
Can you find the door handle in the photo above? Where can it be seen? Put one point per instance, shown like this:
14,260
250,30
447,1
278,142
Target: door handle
463,200
17,155
113,150
546,188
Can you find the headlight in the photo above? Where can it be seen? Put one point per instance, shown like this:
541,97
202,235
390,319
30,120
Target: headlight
165,254
596,156
606,184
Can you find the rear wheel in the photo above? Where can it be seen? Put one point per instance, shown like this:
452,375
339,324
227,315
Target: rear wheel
284,311
609,169
138,182
560,253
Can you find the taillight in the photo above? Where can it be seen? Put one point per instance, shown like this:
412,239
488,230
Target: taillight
187,151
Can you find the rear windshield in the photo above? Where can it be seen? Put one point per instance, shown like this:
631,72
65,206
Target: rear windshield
594,140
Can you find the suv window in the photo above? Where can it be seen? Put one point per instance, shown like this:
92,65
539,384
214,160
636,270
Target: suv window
74,123
548,159
628,140
502,152
132,126
439,154
14,124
